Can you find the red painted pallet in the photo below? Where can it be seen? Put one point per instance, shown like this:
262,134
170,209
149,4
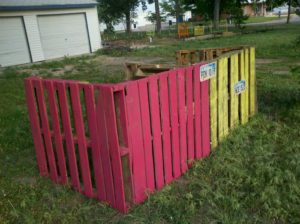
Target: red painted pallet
119,142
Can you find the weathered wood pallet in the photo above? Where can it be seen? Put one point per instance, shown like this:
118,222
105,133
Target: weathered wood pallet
137,70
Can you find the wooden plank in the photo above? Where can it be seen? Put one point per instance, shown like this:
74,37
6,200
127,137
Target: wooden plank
222,98
80,133
205,123
65,116
243,97
136,142
225,100
174,123
213,95
156,132
104,147
146,130
197,109
234,99
95,144
114,149
56,129
122,128
190,115
246,76
182,119
252,77
35,128
45,128
165,117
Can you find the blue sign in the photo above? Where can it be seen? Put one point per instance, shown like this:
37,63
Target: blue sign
240,87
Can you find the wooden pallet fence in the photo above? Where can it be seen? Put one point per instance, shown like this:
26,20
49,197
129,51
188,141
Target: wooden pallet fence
228,109
120,142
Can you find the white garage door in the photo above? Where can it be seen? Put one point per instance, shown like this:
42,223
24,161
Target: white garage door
63,35
13,42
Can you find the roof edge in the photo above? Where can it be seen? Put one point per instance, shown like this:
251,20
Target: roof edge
46,7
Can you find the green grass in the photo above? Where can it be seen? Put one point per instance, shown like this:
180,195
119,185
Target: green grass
262,19
253,176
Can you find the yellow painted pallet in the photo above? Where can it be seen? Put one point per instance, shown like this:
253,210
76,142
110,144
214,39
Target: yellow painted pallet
232,90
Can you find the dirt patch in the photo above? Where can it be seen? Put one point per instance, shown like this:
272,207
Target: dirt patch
119,61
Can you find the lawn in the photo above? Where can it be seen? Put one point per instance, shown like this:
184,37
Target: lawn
263,19
252,177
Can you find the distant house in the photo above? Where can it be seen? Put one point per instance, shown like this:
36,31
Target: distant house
255,9
37,30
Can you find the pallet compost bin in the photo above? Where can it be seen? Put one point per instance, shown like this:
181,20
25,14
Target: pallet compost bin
120,142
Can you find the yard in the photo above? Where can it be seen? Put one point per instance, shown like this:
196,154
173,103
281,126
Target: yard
253,177
262,19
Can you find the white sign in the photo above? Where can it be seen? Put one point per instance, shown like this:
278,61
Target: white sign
240,87
208,71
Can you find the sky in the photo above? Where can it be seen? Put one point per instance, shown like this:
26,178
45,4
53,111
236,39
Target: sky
140,20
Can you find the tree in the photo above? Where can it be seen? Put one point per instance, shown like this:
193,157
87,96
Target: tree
157,14
217,13
211,10
151,17
174,8
113,11
290,3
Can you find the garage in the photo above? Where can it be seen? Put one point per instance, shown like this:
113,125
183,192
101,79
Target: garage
13,42
35,30
70,37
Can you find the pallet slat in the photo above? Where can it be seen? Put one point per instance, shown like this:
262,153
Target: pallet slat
156,133
146,128
197,111
234,99
252,78
205,128
95,144
190,115
222,98
166,136
136,142
46,129
57,132
69,141
174,123
80,133
182,120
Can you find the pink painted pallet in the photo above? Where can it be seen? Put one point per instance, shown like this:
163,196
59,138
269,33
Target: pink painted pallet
119,142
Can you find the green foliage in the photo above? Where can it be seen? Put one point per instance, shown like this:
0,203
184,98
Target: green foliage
169,7
112,12
152,17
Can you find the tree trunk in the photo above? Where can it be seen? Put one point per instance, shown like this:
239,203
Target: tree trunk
177,12
217,14
289,12
158,19
128,22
